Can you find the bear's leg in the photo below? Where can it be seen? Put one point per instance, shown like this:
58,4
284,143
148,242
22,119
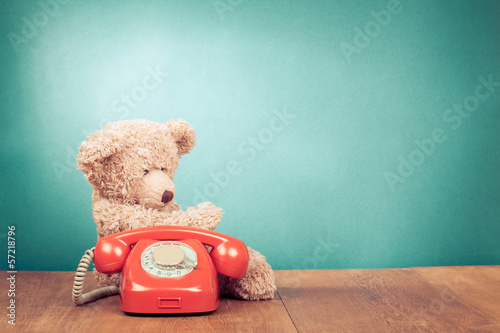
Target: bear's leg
257,284
106,280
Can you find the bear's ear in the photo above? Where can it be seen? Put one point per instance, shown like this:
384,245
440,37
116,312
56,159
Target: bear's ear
183,134
93,153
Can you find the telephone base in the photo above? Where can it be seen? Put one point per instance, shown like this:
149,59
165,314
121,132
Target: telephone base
197,291
172,305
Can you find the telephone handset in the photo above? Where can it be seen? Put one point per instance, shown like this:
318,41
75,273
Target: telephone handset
165,269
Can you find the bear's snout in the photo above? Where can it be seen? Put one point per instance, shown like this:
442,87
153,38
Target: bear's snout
167,196
155,190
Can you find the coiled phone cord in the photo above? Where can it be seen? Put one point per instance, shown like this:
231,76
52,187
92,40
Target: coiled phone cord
77,295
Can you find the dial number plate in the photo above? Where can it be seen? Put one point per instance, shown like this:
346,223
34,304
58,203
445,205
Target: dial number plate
165,260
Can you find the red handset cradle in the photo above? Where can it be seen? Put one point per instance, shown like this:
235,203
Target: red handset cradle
144,291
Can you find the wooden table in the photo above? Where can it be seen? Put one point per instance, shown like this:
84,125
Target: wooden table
427,299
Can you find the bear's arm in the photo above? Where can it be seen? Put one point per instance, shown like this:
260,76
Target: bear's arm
205,216
112,217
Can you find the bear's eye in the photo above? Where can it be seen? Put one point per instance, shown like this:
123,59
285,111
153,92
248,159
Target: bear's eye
162,169
146,172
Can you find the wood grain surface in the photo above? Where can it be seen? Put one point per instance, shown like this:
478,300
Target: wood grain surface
477,286
43,304
386,300
428,299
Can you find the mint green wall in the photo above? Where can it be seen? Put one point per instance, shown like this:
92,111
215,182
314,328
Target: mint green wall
365,134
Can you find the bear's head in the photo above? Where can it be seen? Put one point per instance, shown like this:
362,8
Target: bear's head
134,161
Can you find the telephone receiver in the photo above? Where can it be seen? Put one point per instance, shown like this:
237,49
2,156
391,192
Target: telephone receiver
230,255
165,269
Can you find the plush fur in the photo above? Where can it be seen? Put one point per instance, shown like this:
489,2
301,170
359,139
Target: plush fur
131,165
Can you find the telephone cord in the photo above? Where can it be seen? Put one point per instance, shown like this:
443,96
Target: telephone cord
77,295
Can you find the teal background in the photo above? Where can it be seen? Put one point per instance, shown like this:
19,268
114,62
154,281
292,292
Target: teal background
310,192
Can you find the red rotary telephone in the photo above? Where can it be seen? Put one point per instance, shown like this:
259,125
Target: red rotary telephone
167,269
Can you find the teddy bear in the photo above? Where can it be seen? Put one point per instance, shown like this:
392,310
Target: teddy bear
131,165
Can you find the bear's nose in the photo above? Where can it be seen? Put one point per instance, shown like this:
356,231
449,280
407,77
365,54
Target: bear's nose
167,196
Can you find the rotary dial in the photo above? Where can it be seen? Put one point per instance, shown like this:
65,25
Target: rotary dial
168,259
